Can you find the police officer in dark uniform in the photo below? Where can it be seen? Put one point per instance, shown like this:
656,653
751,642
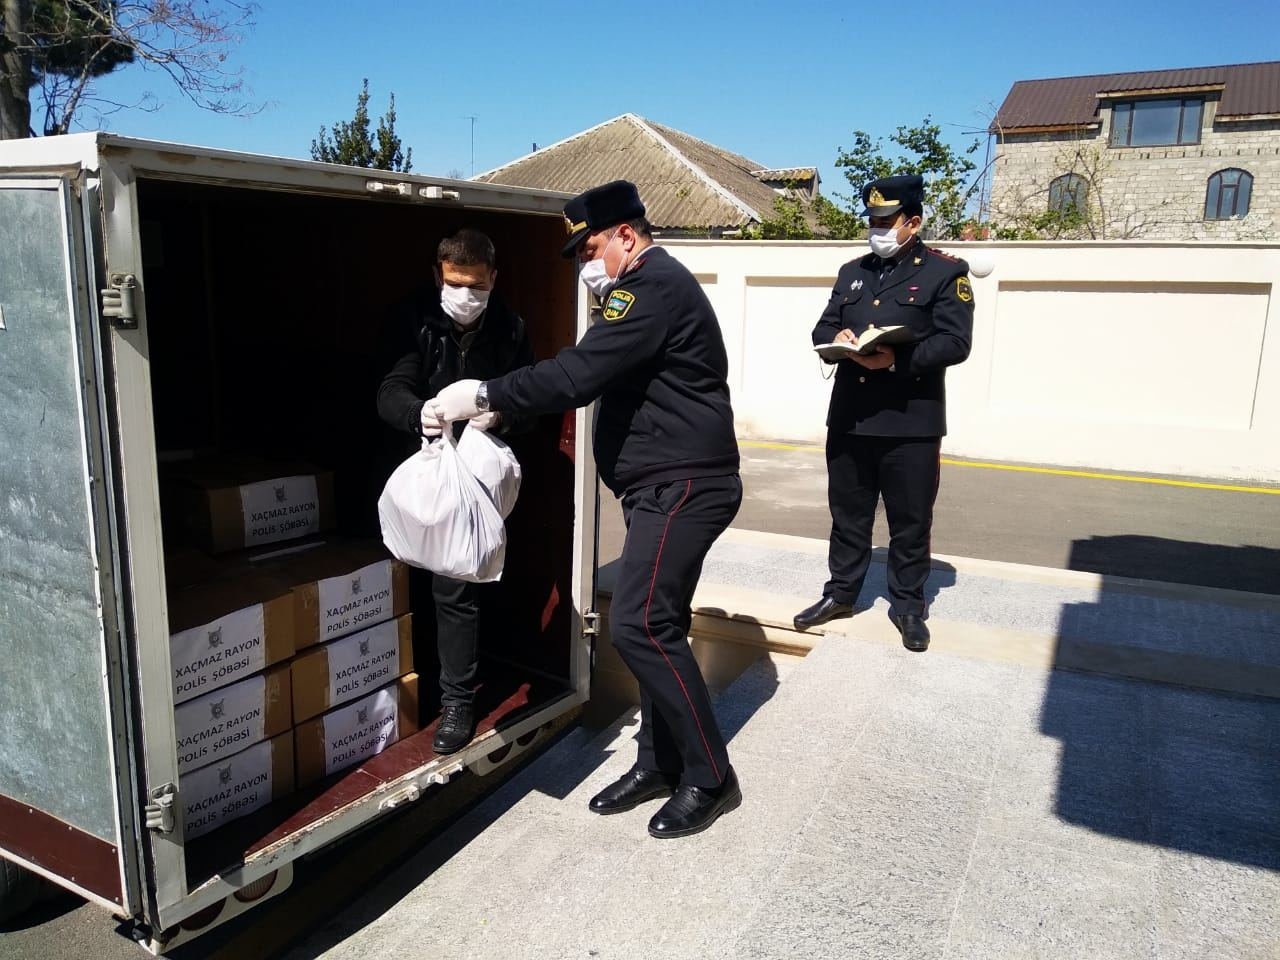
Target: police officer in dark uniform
888,408
664,443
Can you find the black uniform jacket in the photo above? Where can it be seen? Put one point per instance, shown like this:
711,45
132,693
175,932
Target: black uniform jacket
927,291
430,356
657,363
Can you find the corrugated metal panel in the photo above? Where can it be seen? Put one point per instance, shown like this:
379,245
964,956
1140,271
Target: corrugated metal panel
676,197
798,174
1251,88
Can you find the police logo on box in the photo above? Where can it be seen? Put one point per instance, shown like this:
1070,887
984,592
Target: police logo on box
280,496
616,307
217,709
364,647
224,774
356,588
215,639
362,715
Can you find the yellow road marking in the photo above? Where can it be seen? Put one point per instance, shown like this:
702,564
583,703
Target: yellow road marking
1053,471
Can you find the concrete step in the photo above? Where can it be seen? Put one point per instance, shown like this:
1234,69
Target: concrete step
753,583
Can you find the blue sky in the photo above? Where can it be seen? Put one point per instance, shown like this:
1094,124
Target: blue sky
784,84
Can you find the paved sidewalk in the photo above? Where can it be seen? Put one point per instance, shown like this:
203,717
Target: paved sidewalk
897,806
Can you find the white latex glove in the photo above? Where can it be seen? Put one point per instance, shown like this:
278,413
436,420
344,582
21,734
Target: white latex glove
430,426
455,402
485,421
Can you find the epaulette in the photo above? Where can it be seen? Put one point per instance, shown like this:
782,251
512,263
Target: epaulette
945,256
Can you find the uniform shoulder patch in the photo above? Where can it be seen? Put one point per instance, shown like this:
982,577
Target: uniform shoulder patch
617,305
944,256
963,290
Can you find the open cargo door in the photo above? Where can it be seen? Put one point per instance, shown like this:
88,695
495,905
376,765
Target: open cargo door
65,777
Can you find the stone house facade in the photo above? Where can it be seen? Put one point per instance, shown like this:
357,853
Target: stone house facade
1163,155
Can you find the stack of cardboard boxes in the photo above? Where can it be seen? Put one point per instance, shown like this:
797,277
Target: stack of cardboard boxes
292,659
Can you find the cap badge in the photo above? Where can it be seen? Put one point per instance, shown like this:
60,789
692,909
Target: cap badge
571,227
876,199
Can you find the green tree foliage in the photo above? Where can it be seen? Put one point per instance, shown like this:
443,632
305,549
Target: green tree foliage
944,171
57,48
351,142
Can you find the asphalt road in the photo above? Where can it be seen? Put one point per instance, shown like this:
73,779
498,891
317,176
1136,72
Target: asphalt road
1130,528
1137,527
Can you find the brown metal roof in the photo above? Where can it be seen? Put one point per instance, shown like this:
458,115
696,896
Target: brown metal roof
685,183
1248,89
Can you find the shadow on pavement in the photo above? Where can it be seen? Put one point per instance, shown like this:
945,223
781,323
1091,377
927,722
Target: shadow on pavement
1167,764
1252,569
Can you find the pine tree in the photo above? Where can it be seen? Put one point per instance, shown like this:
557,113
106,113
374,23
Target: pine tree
350,142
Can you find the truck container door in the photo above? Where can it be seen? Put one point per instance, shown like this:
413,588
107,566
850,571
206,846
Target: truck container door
66,796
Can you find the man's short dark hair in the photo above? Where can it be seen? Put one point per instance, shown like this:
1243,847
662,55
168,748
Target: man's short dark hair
641,226
913,210
467,248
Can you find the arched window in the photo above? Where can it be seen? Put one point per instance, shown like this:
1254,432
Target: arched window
1227,197
1069,194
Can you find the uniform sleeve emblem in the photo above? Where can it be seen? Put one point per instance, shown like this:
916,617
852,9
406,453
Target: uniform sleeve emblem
963,290
619,302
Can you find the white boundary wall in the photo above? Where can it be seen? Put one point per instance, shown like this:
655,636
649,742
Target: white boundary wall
1150,357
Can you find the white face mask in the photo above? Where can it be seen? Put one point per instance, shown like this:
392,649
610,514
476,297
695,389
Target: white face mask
463,304
884,241
596,275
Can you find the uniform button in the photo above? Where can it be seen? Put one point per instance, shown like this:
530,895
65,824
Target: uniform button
862,379
875,303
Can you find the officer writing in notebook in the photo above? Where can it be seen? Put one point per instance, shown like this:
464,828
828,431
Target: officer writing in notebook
664,443
888,409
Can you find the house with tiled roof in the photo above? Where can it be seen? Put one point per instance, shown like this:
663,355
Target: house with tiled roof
689,187
1161,154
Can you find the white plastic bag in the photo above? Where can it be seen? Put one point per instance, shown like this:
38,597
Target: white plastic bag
494,465
437,515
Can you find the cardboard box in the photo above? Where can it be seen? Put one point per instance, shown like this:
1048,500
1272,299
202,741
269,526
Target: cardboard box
339,587
226,630
356,731
236,786
231,503
228,720
346,669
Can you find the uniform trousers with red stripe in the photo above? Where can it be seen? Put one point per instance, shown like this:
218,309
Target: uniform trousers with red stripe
670,528
861,470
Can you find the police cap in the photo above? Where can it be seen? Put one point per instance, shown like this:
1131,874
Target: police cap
888,195
598,208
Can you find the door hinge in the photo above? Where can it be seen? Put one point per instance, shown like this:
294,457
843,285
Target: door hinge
118,300
159,812
591,624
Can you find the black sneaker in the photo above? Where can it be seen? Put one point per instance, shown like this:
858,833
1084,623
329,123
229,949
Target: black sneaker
455,728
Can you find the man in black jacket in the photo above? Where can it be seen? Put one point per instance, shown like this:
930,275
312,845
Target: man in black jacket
664,442
464,330
888,409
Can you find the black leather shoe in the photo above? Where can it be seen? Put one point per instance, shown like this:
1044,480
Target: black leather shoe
693,809
822,611
915,635
457,723
632,789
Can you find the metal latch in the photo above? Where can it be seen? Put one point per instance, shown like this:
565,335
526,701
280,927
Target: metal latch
117,300
159,812
406,794
591,624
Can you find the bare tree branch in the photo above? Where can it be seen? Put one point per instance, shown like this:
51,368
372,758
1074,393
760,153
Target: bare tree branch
76,41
